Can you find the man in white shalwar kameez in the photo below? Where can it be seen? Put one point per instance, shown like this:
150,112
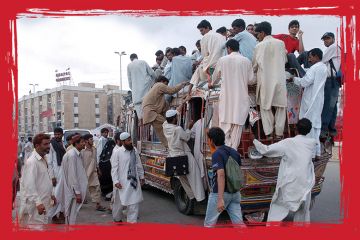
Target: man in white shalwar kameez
116,205
313,97
269,66
141,77
212,48
128,177
35,185
177,141
74,182
296,175
54,160
236,73
197,134
28,149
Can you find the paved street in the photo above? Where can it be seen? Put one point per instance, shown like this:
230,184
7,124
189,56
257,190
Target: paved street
159,207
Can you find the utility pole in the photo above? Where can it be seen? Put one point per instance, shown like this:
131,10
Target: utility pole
34,85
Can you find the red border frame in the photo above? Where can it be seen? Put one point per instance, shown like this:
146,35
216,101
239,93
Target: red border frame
348,168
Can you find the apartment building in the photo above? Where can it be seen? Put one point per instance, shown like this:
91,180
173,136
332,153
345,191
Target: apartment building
82,106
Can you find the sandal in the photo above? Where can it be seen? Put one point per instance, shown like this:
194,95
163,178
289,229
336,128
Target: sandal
101,209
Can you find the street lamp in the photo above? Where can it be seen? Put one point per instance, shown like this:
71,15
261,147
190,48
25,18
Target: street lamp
34,85
121,100
120,54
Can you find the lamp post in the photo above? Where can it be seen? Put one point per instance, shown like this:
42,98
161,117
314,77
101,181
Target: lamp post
34,85
121,100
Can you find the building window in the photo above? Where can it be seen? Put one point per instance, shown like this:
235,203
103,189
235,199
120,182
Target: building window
96,105
96,96
76,125
76,95
97,124
76,115
97,115
75,104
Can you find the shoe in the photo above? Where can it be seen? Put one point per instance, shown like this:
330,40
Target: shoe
100,208
254,154
278,138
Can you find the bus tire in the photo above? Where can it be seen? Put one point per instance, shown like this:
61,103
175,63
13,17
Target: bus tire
184,204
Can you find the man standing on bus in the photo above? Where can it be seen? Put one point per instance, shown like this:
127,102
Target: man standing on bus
269,66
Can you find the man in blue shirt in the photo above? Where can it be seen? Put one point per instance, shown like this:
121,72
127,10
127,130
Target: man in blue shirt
246,40
219,199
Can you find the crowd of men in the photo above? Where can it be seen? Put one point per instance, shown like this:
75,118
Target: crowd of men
238,57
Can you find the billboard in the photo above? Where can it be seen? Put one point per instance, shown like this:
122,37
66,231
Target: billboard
63,76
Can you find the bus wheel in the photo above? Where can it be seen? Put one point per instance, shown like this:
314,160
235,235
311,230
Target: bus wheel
183,203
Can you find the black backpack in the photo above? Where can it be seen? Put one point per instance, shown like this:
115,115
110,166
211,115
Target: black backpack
105,179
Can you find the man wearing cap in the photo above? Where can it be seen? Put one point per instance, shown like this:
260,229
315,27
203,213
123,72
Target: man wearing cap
236,73
116,208
128,177
74,182
88,156
177,139
155,106
141,77
332,86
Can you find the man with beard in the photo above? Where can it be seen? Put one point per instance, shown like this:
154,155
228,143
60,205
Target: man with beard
74,182
127,175
54,159
35,185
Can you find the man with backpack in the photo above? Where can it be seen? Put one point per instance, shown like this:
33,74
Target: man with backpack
226,182
332,59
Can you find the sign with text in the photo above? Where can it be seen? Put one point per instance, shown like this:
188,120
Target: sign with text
63,76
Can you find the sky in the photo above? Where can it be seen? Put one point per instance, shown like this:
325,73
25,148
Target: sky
86,44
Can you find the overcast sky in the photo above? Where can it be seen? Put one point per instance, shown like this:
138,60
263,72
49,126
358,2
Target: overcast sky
86,44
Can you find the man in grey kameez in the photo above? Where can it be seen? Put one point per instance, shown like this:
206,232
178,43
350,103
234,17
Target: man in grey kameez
141,77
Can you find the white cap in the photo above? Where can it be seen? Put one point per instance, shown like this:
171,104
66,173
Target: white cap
124,136
170,113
